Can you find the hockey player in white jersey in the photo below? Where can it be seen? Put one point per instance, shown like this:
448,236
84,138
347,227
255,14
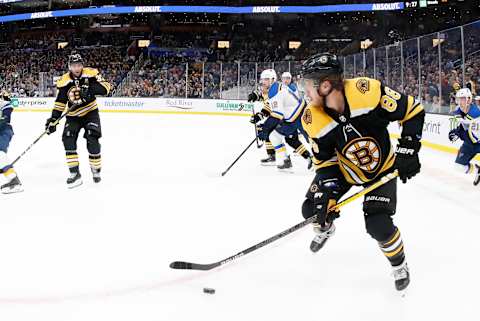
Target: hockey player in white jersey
287,81
466,123
284,120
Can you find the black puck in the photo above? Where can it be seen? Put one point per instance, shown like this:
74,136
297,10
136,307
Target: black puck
209,290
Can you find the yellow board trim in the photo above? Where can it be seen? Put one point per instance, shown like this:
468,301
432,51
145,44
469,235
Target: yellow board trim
442,148
219,113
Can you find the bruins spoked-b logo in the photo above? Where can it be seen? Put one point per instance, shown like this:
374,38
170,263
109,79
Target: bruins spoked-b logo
307,116
73,95
364,152
363,85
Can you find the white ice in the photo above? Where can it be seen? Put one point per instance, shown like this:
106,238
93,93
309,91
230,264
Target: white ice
102,252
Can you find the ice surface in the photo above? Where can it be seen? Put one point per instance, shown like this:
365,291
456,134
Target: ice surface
101,252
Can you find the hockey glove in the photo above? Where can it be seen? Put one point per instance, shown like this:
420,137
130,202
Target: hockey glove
324,200
256,118
253,97
407,162
454,134
51,125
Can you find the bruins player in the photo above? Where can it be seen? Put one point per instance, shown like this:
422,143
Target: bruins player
76,92
347,121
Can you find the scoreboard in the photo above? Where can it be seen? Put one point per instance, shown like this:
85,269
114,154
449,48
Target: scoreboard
424,3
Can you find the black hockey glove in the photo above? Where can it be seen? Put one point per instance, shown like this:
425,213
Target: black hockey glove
256,118
454,134
324,199
407,162
253,97
51,125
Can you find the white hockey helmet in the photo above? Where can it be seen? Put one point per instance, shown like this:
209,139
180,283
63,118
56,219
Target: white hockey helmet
286,74
464,93
269,74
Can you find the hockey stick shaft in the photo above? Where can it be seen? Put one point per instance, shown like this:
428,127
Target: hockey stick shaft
38,139
239,156
194,266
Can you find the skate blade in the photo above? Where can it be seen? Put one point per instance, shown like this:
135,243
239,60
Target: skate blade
76,184
286,170
12,190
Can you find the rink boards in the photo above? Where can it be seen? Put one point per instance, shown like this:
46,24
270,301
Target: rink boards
435,131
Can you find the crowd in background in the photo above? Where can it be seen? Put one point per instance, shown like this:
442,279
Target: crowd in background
30,64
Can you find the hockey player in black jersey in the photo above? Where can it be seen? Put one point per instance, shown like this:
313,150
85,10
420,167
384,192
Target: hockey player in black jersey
346,122
77,91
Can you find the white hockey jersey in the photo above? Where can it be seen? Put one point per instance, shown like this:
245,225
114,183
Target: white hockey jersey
286,105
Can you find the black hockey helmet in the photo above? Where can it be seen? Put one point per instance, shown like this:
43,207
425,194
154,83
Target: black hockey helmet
75,58
320,65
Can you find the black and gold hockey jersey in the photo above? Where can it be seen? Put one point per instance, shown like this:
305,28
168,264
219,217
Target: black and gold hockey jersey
357,141
69,93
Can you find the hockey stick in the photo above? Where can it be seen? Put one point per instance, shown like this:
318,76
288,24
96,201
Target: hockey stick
239,156
180,265
39,137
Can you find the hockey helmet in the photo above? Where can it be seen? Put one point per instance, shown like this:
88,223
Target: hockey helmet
269,74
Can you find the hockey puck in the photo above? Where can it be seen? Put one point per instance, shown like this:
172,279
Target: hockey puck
209,290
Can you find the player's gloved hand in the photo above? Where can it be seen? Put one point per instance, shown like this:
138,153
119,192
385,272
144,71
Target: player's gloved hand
407,162
51,125
454,134
262,133
324,200
253,97
256,118
85,93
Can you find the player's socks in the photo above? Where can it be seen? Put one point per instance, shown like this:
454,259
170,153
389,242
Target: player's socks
72,159
393,250
96,166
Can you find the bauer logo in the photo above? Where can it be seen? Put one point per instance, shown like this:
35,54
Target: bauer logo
234,106
386,6
39,15
266,10
148,9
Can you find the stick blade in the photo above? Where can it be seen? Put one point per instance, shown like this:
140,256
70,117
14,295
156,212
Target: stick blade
180,265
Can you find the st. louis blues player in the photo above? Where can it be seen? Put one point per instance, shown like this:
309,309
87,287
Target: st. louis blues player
467,128
283,121
13,184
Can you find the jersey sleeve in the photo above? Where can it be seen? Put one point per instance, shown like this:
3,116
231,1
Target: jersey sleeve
60,102
405,109
99,86
6,112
